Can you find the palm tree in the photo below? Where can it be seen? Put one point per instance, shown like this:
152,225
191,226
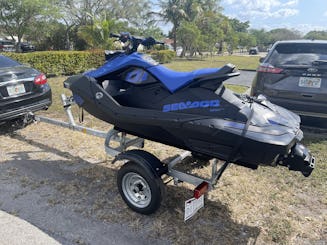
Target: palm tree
172,11
176,11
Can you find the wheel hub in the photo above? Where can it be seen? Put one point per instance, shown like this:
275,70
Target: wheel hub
136,190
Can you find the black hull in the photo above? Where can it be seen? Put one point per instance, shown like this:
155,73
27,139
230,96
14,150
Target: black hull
196,133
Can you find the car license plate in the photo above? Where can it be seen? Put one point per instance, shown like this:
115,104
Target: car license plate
192,206
310,82
16,89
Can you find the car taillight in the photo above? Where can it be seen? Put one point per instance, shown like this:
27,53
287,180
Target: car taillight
268,68
40,79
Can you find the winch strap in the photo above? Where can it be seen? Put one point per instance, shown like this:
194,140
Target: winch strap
234,151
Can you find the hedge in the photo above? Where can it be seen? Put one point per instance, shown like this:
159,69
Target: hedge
73,62
60,62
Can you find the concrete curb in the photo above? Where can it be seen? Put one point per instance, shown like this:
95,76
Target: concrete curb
15,231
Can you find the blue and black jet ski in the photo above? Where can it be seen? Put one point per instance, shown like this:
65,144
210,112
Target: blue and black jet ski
190,110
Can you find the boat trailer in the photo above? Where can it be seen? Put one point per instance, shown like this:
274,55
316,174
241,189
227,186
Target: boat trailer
140,179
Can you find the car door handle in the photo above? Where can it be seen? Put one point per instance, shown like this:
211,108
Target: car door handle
307,95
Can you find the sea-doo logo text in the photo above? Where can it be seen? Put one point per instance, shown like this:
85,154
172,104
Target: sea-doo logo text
191,105
312,70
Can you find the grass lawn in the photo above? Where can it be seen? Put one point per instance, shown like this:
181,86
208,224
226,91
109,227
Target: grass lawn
241,62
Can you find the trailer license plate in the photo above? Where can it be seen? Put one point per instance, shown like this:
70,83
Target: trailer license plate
310,82
192,206
16,89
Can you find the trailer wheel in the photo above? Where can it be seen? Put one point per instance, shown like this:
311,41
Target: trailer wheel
141,190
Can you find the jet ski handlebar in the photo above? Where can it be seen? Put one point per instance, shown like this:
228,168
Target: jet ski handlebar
125,37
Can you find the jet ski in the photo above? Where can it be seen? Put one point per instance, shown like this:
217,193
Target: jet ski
190,110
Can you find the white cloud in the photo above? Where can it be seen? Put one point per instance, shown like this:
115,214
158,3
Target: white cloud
253,9
284,13
291,3
260,5
302,28
272,14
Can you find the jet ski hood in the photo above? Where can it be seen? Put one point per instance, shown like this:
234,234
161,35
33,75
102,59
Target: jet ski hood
267,121
274,114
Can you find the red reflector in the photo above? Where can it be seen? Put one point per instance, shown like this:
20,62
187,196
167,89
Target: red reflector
200,190
40,79
269,69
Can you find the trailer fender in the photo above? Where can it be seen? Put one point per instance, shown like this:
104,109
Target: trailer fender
145,160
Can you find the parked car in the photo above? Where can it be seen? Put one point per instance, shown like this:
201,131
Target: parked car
22,90
7,46
294,76
179,51
254,50
27,47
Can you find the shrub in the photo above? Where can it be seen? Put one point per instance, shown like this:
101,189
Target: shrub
163,56
60,62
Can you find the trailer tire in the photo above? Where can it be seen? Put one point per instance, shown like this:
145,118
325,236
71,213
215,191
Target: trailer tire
141,190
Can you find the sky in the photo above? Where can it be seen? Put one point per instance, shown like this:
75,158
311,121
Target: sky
302,15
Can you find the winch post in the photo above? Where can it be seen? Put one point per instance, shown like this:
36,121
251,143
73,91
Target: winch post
67,106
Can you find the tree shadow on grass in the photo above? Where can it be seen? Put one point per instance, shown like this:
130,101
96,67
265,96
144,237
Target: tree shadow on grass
80,192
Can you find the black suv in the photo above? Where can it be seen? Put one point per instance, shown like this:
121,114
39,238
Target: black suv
27,47
254,50
294,75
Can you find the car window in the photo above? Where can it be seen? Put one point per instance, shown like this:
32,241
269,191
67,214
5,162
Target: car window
6,62
6,43
297,54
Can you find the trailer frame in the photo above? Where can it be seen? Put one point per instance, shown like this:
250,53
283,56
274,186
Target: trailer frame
151,167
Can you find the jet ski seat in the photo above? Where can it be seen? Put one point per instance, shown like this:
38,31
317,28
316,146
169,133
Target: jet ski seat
175,80
226,69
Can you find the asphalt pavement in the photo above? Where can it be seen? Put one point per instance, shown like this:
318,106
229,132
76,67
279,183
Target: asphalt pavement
245,78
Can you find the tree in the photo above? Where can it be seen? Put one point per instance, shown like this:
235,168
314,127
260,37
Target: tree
246,40
318,35
172,11
189,37
283,34
151,31
262,38
134,12
211,31
46,35
239,26
87,15
17,15
177,11
97,34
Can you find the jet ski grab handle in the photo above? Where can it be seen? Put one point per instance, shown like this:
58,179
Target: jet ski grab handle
135,42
